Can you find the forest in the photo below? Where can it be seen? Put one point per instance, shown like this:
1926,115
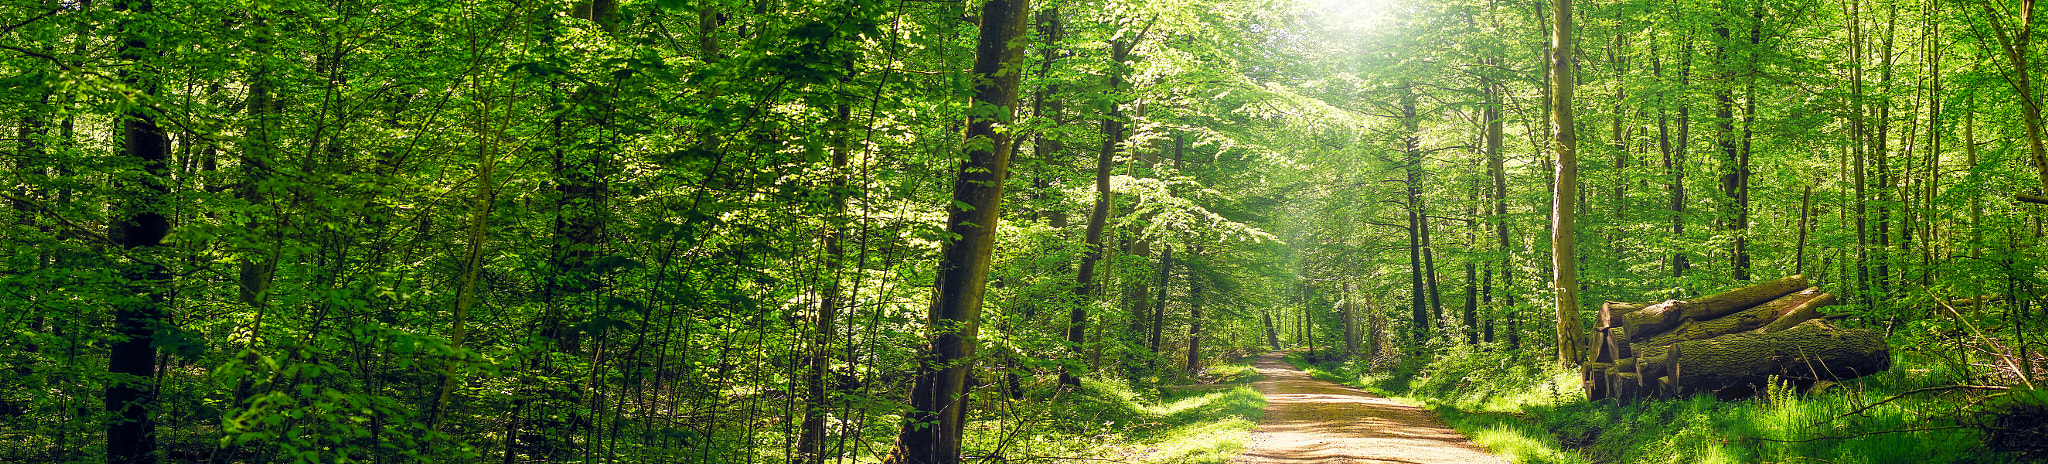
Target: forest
1016,231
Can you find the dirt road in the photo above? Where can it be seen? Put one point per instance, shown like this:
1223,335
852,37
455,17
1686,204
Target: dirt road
1313,421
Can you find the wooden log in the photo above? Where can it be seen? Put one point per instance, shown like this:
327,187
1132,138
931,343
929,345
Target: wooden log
1651,320
1812,350
1617,343
1671,372
1650,366
1624,386
1740,321
1721,304
1802,312
1603,350
1593,377
1658,318
1611,312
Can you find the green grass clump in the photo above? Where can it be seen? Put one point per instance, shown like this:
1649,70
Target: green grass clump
1531,410
1109,419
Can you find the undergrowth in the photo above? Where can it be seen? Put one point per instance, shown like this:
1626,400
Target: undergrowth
1530,410
1109,419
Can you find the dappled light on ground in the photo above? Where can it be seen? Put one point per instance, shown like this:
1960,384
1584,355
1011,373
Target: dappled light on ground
1311,421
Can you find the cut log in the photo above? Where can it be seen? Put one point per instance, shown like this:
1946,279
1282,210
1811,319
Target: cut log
1802,312
1593,377
1720,304
1661,317
1812,350
1603,349
1617,343
1651,366
1611,312
1653,319
1740,321
1624,386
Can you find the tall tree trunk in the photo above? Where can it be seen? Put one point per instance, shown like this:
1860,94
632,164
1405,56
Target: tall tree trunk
1742,172
1421,280
1934,98
819,376
1564,201
1159,298
1618,132
1347,316
1680,263
1805,224
140,227
1880,153
1731,154
1471,302
1045,103
1856,143
1195,301
1091,247
1436,294
932,428
1496,167
1272,334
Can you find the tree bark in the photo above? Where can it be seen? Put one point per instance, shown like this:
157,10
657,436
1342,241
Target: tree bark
1195,301
1159,299
1272,334
1564,204
1747,319
1420,281
932,429
1098,218
1812,350
1497,169
140,227
1346,314
1471,303
1664,316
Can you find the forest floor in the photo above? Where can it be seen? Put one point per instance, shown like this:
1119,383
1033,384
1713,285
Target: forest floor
1315,421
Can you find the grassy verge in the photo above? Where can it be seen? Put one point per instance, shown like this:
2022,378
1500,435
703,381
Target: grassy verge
1116,421
1529,410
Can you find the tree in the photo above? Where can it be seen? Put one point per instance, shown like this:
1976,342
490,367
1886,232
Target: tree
1098,217
139,230
932,430
1564,203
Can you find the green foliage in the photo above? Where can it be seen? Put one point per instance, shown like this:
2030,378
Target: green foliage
1530,410
610,230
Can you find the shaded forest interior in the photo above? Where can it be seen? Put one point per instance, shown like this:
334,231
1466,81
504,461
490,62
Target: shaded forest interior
925,231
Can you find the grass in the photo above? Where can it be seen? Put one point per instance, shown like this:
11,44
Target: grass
1108,419
1533,411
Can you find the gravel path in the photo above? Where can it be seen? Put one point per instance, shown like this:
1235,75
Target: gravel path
1313,421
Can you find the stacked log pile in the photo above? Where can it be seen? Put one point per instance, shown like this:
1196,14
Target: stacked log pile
1730,343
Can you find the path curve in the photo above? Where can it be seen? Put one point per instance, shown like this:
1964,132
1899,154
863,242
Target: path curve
1311,421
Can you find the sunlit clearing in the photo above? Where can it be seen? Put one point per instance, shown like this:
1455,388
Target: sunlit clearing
1357,14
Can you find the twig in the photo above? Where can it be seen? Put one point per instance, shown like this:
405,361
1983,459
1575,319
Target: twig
2004,354
1903,395
1865,434
26,22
